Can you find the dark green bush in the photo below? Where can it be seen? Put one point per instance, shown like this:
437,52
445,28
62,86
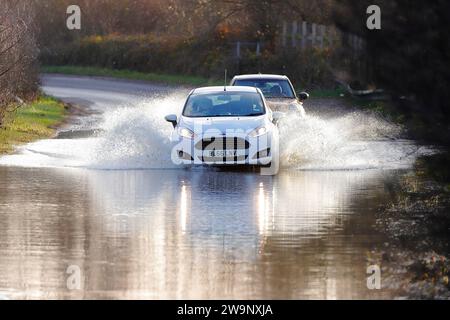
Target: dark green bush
208,58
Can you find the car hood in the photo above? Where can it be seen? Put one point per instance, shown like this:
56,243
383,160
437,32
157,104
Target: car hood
280,104
223,124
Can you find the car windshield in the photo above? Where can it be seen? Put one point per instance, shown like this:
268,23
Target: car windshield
270,88
224,104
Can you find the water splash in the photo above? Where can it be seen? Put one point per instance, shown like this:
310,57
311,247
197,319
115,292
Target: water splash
132,137
354,141
137,137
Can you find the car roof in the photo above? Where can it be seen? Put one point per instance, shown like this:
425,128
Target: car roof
219,89
260,76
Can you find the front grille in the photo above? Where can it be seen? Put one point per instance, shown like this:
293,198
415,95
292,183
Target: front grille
223,143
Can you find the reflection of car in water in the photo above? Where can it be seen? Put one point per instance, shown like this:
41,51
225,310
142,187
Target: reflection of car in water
277,90
226,126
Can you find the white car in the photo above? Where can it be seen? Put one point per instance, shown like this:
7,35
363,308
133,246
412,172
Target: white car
277,89
226,126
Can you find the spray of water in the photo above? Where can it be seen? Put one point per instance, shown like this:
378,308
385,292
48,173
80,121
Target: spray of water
354,141
137,137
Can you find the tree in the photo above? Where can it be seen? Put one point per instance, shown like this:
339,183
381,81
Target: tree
18,53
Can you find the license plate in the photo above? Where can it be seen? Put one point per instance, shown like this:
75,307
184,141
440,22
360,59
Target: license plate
222,153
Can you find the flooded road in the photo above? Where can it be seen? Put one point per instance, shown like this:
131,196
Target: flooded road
138,228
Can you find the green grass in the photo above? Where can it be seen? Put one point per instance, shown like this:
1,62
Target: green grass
31,122
327,93
131,75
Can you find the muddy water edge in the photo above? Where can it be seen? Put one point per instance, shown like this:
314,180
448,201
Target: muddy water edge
416,256
415,259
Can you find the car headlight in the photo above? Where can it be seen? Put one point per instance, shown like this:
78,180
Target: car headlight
186,133
258,132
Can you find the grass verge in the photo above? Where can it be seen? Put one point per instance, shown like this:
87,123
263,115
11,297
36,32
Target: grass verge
328,93
31,122
131,75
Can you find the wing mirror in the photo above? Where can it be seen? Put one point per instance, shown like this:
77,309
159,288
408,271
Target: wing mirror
302,96
173,119
277,116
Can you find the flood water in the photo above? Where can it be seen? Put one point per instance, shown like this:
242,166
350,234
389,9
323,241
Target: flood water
137,228
188,234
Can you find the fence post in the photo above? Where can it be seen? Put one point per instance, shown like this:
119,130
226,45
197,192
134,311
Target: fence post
294,34
329,35
258,48
321,36
313,35
284,39
304,34
238,50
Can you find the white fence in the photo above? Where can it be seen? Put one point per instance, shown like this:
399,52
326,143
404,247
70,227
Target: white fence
301,34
